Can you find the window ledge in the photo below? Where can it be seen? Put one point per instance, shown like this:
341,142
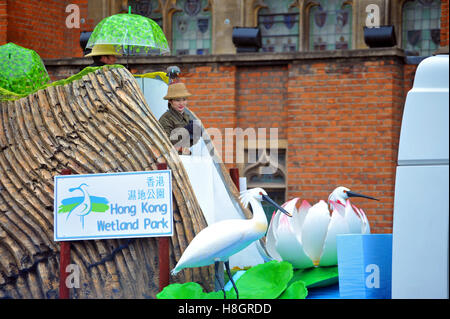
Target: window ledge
256,58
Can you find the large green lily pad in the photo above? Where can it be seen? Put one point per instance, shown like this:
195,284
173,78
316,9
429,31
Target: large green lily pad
264,281
317,276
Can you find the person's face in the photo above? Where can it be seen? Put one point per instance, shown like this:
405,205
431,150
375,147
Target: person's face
109,59
179,104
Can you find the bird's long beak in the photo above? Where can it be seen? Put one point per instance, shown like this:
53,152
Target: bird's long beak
353,194
271,201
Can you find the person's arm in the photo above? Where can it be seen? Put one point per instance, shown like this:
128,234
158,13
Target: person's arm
168,126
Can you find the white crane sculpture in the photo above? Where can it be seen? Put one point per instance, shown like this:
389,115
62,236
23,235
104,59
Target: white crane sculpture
223,239
83,208
341,194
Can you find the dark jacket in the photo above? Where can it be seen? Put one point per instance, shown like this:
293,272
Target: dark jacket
173,119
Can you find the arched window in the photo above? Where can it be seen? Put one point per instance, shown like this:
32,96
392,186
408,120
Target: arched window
279,26
421,20
330,26
191,28
147,8
266,168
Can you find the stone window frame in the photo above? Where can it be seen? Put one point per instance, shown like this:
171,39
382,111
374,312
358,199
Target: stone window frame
167,8
304,8
294,4
247,168
399,18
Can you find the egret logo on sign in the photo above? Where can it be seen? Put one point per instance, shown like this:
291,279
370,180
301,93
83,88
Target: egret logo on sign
82,206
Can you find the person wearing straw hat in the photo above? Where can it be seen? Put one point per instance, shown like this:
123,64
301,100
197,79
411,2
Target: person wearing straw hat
103,54
175,119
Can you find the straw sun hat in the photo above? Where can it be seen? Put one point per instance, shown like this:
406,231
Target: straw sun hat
103,49
176,91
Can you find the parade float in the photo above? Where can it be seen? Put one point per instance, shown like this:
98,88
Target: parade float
99,121
105,120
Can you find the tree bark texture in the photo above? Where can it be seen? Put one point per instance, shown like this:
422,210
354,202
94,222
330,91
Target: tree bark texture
98,124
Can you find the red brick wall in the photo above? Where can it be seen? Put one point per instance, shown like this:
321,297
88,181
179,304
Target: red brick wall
3,21
238,97
444,23
213,100
41,26
344,125
261,98
341,119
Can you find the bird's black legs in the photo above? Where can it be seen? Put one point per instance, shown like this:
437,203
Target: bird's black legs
218,278
227,267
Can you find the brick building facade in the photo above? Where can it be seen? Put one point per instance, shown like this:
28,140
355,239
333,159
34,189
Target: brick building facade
338,113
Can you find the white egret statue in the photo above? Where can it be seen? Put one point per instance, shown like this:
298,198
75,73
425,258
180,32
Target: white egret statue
83,208
309,238
223,239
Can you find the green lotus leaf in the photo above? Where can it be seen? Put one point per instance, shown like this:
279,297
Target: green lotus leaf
264,281
189,290
296,290
317,276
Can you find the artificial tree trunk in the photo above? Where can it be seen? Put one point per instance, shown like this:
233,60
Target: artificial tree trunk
99,123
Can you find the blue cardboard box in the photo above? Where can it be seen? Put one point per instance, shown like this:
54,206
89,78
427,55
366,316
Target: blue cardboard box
364,265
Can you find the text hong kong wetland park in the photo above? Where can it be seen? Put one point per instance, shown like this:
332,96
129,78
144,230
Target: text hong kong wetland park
154,214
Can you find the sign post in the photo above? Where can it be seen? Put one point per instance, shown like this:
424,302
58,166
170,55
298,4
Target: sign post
64,259
111,206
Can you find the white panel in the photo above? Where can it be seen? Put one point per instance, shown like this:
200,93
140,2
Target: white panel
421,232
424,135
215,200
154,90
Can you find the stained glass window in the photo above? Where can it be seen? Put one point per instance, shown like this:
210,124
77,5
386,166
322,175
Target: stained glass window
421,27
279,26
330,26
147,8
191,28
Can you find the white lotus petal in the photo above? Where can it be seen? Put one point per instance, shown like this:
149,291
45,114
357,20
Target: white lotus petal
261,247
315,228
353,221
298,218
337,226
272,231
271,237
290,206
365,229
340,208
289,248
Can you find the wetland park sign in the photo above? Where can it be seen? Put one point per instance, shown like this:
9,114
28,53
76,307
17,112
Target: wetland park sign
113,205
